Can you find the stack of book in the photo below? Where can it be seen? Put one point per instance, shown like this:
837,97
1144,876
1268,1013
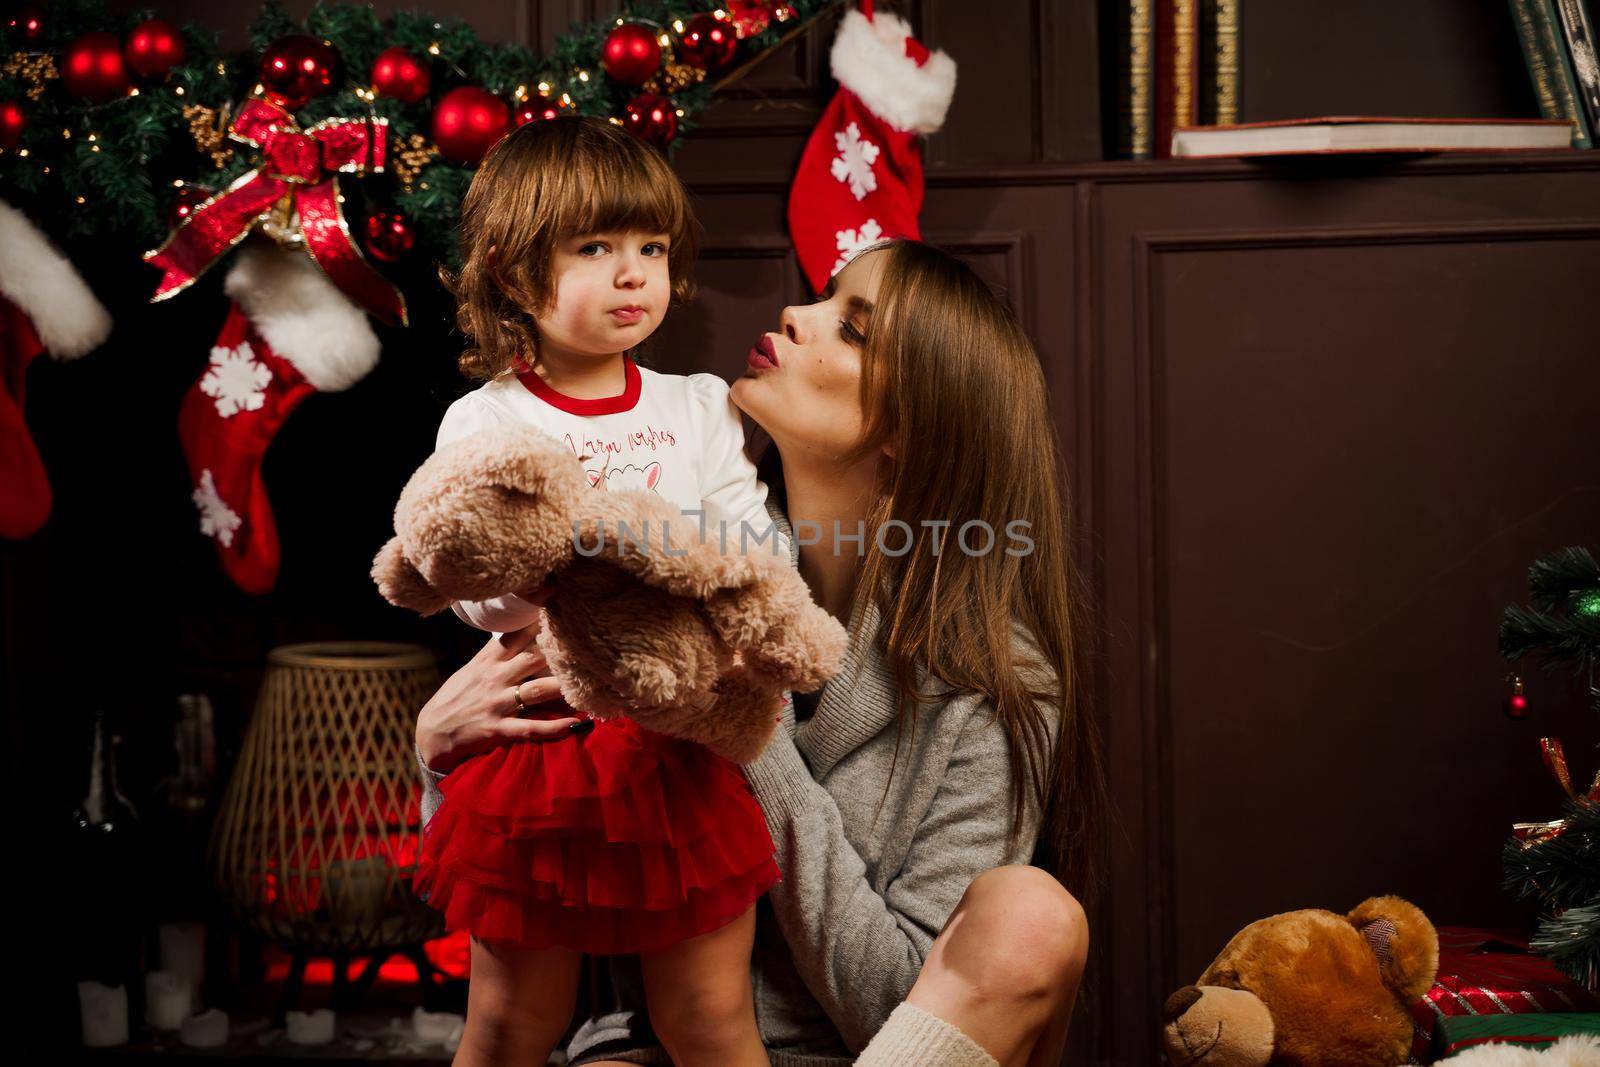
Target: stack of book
1175,90
1175,63
1558,43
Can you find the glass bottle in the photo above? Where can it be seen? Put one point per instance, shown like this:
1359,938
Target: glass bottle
106,883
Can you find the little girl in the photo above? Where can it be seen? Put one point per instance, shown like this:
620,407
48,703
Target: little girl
576,235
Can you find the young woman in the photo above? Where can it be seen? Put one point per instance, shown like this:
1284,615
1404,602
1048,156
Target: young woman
908,416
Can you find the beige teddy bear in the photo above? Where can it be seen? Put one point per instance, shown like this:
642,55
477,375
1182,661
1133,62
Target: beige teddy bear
644,619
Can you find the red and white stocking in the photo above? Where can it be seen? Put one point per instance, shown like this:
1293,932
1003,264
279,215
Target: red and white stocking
44,307
289,333
860,177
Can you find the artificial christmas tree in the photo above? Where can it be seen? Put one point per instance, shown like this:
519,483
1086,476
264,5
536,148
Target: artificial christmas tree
1558,863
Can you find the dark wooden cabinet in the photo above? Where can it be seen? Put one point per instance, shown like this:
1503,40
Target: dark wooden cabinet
1319,418
1333,413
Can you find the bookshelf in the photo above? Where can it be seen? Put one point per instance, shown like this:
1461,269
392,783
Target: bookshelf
1300,59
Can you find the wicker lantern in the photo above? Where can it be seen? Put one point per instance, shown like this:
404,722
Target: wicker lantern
316,839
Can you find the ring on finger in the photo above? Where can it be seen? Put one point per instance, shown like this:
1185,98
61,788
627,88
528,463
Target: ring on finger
516,693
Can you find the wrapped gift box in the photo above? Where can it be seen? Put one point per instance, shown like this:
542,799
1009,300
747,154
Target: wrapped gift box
1484,973
1538,1030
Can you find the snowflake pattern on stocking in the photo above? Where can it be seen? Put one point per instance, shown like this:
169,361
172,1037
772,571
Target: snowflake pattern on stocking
236,380
217,519
852,243
854,162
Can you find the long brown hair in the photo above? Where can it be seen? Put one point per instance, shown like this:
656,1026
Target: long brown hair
951,381
541,184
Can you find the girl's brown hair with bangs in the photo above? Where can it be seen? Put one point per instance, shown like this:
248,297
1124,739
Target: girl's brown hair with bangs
543,183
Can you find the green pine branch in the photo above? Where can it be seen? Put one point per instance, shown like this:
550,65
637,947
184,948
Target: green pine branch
1563,872
1571,940
1554,579
1558,638
1561,626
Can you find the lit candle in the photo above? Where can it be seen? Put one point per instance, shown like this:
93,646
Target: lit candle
104,1011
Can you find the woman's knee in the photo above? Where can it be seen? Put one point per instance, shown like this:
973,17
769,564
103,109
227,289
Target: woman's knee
1026,934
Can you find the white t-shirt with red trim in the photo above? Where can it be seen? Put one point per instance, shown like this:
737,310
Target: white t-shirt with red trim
673,434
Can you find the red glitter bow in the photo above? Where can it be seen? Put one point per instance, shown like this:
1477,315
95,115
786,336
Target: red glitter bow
301,165
1555,758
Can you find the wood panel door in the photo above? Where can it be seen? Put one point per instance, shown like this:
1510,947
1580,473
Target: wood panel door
1336,422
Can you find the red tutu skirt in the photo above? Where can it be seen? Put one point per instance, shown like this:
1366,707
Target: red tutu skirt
619,840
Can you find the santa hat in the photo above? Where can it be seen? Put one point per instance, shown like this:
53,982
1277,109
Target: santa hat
860,177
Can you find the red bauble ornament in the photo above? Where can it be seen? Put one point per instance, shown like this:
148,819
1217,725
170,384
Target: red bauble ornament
708,43
537,110
389,235
28,21
92,67
468,122
13,120
750,17
184,201
154,47
400,74
295,68
631,54
1516,705
652,117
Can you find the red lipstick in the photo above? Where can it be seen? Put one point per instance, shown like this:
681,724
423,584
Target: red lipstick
763,356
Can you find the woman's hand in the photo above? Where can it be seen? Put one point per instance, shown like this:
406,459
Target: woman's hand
477,706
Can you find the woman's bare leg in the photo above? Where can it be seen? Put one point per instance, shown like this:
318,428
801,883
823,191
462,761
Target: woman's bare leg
519,1003
1006,967
699,998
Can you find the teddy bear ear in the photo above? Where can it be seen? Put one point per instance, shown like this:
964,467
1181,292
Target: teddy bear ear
1404,941
401,584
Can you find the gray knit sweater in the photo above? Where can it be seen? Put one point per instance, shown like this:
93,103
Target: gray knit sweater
868,878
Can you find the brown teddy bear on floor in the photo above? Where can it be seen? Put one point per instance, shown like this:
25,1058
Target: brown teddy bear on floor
645,619
1309,989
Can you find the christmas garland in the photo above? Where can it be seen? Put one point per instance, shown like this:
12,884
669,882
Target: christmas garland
134,129
125,125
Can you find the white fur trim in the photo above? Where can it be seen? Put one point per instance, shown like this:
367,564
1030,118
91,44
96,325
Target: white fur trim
869,59
302,315
1574,1050
41,281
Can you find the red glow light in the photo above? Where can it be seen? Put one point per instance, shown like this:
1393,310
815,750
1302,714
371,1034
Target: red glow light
450,954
